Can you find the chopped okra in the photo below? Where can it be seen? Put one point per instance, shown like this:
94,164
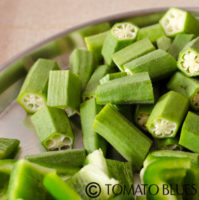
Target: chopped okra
164,43
112,76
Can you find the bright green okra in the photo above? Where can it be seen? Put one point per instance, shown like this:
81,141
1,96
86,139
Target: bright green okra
168,144
8,147
82,63
189,136
129,141
167,115
152,32
64,90
179,43
94,81
112,76
188,87
131,52
91,140
177,21
32,96
188,60
121,35
159,64
53,128
136,88
164,43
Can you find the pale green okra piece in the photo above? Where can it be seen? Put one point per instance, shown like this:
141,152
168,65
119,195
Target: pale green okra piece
53,128
152,32
189,136
32,96
125,137
179,43
136,88
188,87
121,35
112,76
159,64
131,52
94,81
64,90
188,60
91,140
167,144
164,43
82,63
167,115
177,21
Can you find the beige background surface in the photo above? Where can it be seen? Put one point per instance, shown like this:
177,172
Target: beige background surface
26,22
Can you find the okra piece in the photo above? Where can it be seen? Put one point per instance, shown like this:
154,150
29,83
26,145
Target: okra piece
59,189
65,162
142,114
136,88
177,21
179,43
94,81
82,63
134,145
26,181
188,61
188,87
152,32
167,115
8,147
159,64
94,44
53,128
189,136
87,175
112,76
164,43
121,35
64,90
32,96
168,144
131,52
91,140
141,198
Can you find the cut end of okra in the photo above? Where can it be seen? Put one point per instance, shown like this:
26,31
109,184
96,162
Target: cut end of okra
142,119
163,128
173,21
58,142
124,31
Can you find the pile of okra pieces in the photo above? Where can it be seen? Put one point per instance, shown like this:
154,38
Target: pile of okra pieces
135,90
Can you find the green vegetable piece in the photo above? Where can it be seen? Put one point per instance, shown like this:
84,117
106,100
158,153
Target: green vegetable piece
141,198
177,21
82,63
131,52
159,64
167,115
168,144
152,32
32,96
121,35
112,76
26,181
188,87
94,44
53,128
188,61
100,72
134,145
179,43
123,197
59,189
164,43
64,90
136,88
142,114
91,140
189,136
8,148
65,162
81,181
